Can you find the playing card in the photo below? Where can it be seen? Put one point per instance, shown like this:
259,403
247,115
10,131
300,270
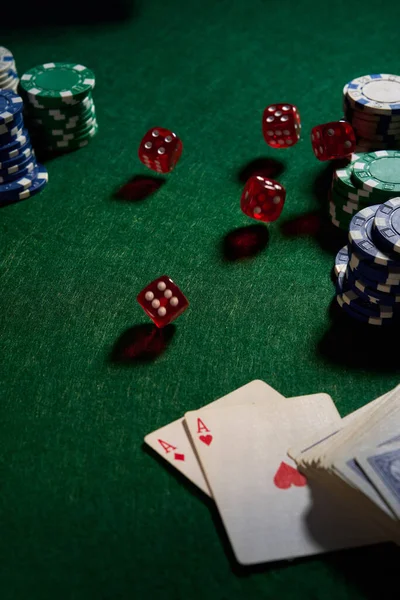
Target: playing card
268,510
379,428
382,467
172,443
314,448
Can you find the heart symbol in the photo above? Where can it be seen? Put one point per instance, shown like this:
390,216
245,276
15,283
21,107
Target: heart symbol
287,476
206,439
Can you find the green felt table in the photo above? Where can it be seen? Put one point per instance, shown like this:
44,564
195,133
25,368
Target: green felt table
86,512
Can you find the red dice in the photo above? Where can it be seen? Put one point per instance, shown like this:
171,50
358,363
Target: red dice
333,140
163,301
160,150
262,199
281,125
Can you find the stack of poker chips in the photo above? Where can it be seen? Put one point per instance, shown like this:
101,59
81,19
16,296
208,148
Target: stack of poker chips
59,107
369,178
8,71
20,175
368,268
372,105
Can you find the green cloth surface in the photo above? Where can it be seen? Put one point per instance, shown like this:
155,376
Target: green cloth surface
85,511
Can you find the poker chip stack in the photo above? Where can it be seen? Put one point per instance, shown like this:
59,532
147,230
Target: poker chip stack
372,105
369,178
20,175
59,107
8,71
368,268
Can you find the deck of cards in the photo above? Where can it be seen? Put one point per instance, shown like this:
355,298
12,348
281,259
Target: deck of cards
289,476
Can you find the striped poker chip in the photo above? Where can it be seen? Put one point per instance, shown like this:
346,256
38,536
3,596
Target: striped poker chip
387,225
378,93
10,106
360,237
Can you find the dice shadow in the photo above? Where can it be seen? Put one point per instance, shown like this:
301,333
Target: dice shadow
358,345
138,188
316,223
263,166
245,242
142,343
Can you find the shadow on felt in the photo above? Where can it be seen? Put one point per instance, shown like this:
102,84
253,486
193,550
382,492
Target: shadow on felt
244,242
316,223
138,188
263,166
359,345
372,568
141,344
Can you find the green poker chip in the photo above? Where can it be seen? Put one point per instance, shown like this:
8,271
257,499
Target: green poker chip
344,205
74,143
66,124
351,202
70,134
378,173
342,181
57,84
338,216
57,115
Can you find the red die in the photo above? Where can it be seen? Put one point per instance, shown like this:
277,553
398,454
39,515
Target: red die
263,198
333,140
162,300
160,150
281,125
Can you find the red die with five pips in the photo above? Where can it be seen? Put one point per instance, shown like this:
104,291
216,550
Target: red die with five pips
281,125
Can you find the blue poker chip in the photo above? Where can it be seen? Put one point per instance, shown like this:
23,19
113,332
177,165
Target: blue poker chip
7,138
360,237
387,226
369,270
341,260
9,170
14,148
12,126
10,106
34,184
18,159
371,295
14,188
25,169
360,317
359,304
374,285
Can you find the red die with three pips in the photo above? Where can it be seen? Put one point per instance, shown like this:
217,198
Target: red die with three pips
333,140
262,198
